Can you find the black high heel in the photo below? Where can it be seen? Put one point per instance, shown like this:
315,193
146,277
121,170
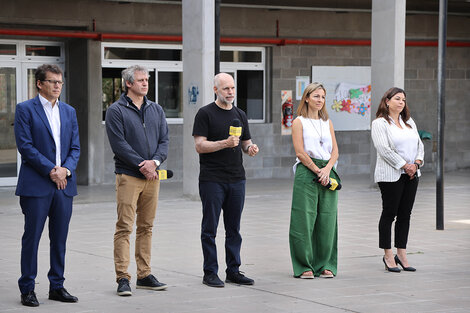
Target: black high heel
391,269
408,269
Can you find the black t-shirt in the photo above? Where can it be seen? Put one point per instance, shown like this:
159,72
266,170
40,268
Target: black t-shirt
225,165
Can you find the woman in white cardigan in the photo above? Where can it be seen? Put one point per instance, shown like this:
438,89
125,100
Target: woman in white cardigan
400,155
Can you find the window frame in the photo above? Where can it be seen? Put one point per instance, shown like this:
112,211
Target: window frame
233,67
21,51
177,66
170,120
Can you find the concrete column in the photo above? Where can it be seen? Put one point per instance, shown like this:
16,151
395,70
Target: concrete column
198,73
96,135
84,94
387,52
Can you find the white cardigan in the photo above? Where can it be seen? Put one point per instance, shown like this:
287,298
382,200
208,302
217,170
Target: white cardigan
389,162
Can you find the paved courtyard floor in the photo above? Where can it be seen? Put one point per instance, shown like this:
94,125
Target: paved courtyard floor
441,283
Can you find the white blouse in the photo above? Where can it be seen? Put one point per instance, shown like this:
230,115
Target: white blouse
314,132
405,140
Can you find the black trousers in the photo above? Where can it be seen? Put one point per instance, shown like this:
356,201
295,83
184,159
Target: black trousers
215,197
397,201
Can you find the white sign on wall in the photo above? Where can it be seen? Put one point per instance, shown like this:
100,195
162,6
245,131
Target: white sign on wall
300,83
348,95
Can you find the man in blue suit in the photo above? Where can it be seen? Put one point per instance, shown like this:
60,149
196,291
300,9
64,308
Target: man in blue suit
46,132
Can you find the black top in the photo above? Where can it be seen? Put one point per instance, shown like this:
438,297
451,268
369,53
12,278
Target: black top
225,165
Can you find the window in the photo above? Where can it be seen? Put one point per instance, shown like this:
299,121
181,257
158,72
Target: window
246,64
165,68
241,56
7,49
170,97
250,93
43,50
142,54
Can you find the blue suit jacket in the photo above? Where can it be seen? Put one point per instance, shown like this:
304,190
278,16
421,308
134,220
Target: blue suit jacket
36,145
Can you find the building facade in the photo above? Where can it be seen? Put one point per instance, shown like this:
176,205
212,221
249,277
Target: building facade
264,47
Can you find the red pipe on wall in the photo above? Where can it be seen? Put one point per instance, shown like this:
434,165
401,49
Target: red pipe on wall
424,43
86,35
141,37
48,33
283,42
231,40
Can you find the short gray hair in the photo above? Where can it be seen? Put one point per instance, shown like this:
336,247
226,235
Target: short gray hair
129,73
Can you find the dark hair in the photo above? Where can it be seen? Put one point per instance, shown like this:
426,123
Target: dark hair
383,111
302,110
41,71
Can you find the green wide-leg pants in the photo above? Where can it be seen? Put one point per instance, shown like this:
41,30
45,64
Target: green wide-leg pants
313,233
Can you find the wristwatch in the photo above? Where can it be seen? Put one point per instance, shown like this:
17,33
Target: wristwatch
418,165
157,163
68,172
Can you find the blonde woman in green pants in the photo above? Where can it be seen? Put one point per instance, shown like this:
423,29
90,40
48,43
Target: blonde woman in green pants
313,233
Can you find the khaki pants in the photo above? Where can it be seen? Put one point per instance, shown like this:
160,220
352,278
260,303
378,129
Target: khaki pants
134,196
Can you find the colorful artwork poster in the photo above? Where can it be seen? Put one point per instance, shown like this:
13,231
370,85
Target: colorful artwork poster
348,95
352,98
287,112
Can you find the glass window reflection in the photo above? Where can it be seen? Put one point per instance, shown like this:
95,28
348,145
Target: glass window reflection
170,93
43,50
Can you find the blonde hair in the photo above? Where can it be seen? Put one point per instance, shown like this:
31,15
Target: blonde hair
302,110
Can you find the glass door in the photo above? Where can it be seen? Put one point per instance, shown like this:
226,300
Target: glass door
17,84
18,62
9,91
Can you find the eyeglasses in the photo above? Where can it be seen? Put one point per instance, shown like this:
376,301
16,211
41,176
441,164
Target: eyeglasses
53,82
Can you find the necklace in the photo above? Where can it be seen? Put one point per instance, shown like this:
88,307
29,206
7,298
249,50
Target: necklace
320,133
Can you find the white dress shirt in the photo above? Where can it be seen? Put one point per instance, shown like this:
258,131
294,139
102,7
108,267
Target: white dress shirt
405,140
53,116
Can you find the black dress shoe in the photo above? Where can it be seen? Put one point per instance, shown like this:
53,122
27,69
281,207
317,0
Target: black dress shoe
29,299
62,295
238,278
391,269
408,269
212,280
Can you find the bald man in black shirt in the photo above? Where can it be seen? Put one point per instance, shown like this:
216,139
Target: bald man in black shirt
222,178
